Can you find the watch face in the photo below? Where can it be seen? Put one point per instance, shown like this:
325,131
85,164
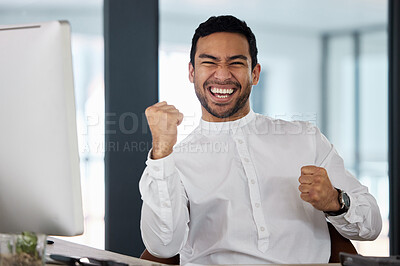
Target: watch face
346,200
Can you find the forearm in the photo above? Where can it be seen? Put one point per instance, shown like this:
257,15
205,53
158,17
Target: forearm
363,220
164,212
160,239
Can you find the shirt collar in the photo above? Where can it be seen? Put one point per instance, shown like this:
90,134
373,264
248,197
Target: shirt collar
226,126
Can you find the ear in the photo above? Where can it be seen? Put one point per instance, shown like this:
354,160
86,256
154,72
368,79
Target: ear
191,72
256,74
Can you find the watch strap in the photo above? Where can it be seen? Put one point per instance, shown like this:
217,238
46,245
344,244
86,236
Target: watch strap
343,207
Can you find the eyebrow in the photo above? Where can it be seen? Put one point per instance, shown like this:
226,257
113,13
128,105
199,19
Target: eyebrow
209,57
237,57
231,58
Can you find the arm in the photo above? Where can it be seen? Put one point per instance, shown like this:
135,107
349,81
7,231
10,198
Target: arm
362,221
165,215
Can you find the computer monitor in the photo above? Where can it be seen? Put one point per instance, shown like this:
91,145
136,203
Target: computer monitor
40,189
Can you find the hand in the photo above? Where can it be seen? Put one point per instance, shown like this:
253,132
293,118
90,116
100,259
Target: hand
316,188
163,120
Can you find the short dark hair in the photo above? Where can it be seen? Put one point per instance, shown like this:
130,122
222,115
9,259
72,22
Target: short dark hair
225,24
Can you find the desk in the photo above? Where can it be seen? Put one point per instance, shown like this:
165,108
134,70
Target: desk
67,248
76,250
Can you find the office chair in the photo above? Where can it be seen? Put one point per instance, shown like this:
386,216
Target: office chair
170,261
338,244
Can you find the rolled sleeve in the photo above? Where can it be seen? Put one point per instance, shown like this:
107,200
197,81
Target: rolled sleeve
362,221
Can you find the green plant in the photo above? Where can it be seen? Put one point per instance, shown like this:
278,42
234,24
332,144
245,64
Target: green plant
26,243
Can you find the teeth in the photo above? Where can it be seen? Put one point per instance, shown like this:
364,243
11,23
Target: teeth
222,91
221,96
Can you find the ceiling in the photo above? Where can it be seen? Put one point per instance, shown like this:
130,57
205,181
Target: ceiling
305,16
313,16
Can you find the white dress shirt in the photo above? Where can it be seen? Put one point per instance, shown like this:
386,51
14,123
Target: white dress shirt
228,194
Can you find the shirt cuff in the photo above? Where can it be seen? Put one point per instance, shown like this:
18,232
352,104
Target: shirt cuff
349,217
161,168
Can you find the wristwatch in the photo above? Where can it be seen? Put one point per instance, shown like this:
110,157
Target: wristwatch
344,201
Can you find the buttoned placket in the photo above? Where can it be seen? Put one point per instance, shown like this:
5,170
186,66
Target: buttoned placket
254,189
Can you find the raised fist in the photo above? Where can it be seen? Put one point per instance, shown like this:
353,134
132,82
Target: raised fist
163,120
317,189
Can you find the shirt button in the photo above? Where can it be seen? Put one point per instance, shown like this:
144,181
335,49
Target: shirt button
164,204
262,228
246,160
240,141
253,181
257,205
155,168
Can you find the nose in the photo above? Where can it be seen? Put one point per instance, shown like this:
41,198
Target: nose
222,73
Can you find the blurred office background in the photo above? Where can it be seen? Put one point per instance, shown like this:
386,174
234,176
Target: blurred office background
322,61
86,19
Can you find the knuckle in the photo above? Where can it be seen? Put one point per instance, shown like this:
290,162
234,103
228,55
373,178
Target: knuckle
306,168
322,171
148,110
173,111
158,112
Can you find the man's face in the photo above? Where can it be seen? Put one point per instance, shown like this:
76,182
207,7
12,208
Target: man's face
222,76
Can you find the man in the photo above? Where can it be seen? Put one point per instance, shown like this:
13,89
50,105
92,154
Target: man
243,188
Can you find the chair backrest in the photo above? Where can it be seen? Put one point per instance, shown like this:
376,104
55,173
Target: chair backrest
170,261
338,244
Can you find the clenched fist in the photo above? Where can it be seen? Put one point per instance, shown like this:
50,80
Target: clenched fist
316,188
163,120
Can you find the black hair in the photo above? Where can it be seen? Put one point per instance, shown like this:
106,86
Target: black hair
225,24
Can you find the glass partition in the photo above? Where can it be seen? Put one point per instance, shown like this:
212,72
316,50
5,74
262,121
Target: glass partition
322,61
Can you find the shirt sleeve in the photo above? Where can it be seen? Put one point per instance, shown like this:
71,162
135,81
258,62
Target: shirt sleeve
165,216
363,219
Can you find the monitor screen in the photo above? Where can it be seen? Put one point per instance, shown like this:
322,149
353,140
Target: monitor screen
40,189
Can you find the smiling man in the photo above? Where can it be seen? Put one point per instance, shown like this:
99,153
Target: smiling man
264,199
224,76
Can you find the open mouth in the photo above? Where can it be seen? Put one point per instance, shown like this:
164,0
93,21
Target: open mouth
221,93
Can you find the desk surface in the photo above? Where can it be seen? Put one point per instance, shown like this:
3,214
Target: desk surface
71,249
66,248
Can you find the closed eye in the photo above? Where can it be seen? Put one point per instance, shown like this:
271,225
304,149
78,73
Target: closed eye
237,63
